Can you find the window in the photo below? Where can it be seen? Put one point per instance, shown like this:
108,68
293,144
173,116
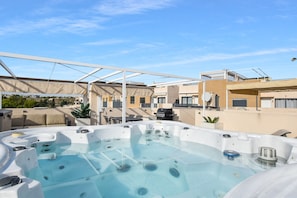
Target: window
132,99
187,100
104,102
195,100
161,100
285,103
266,102
116,103
142,100
239,103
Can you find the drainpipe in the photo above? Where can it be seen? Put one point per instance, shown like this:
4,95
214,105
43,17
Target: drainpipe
257,103
227,99
124,96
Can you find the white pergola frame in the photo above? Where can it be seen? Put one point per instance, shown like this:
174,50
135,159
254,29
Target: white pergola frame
97,68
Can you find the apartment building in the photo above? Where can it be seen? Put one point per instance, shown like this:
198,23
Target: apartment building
217,83
212,91
280,94
218,89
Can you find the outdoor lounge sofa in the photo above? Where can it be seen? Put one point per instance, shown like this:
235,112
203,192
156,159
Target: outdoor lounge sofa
38,120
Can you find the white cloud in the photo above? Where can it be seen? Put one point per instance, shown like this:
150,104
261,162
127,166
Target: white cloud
221,56
141,47
53,24
116,7
82,20
106,42
247,19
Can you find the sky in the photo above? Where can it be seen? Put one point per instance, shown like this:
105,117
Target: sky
180,37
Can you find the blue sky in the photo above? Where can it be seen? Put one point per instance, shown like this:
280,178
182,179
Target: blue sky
182,37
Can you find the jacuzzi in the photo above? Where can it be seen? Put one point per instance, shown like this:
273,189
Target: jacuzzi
145,159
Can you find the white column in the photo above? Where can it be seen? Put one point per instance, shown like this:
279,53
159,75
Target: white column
124,97
87,97
99,109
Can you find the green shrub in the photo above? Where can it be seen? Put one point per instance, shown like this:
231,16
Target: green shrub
210,120
82,112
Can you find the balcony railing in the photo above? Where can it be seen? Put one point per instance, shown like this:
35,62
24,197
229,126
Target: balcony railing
193,106
145,105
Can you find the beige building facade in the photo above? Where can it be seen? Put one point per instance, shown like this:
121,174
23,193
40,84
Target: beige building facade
165,96
212,91
248,105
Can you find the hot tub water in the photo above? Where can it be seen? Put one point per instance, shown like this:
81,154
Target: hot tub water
161,168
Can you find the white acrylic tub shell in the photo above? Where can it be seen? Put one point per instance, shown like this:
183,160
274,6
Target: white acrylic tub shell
277,182
4,155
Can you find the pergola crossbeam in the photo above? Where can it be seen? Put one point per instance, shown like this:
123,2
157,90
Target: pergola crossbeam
180,82
106,76
7,69
128,76
87,75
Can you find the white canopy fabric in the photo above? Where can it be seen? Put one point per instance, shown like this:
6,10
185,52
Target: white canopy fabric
38,86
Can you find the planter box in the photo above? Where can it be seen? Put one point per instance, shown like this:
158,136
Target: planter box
209,125
82,121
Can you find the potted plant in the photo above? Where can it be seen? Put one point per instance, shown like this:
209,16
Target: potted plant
82,115
210,122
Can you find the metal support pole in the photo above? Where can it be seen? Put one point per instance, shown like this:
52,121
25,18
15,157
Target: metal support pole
87,97
124,98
